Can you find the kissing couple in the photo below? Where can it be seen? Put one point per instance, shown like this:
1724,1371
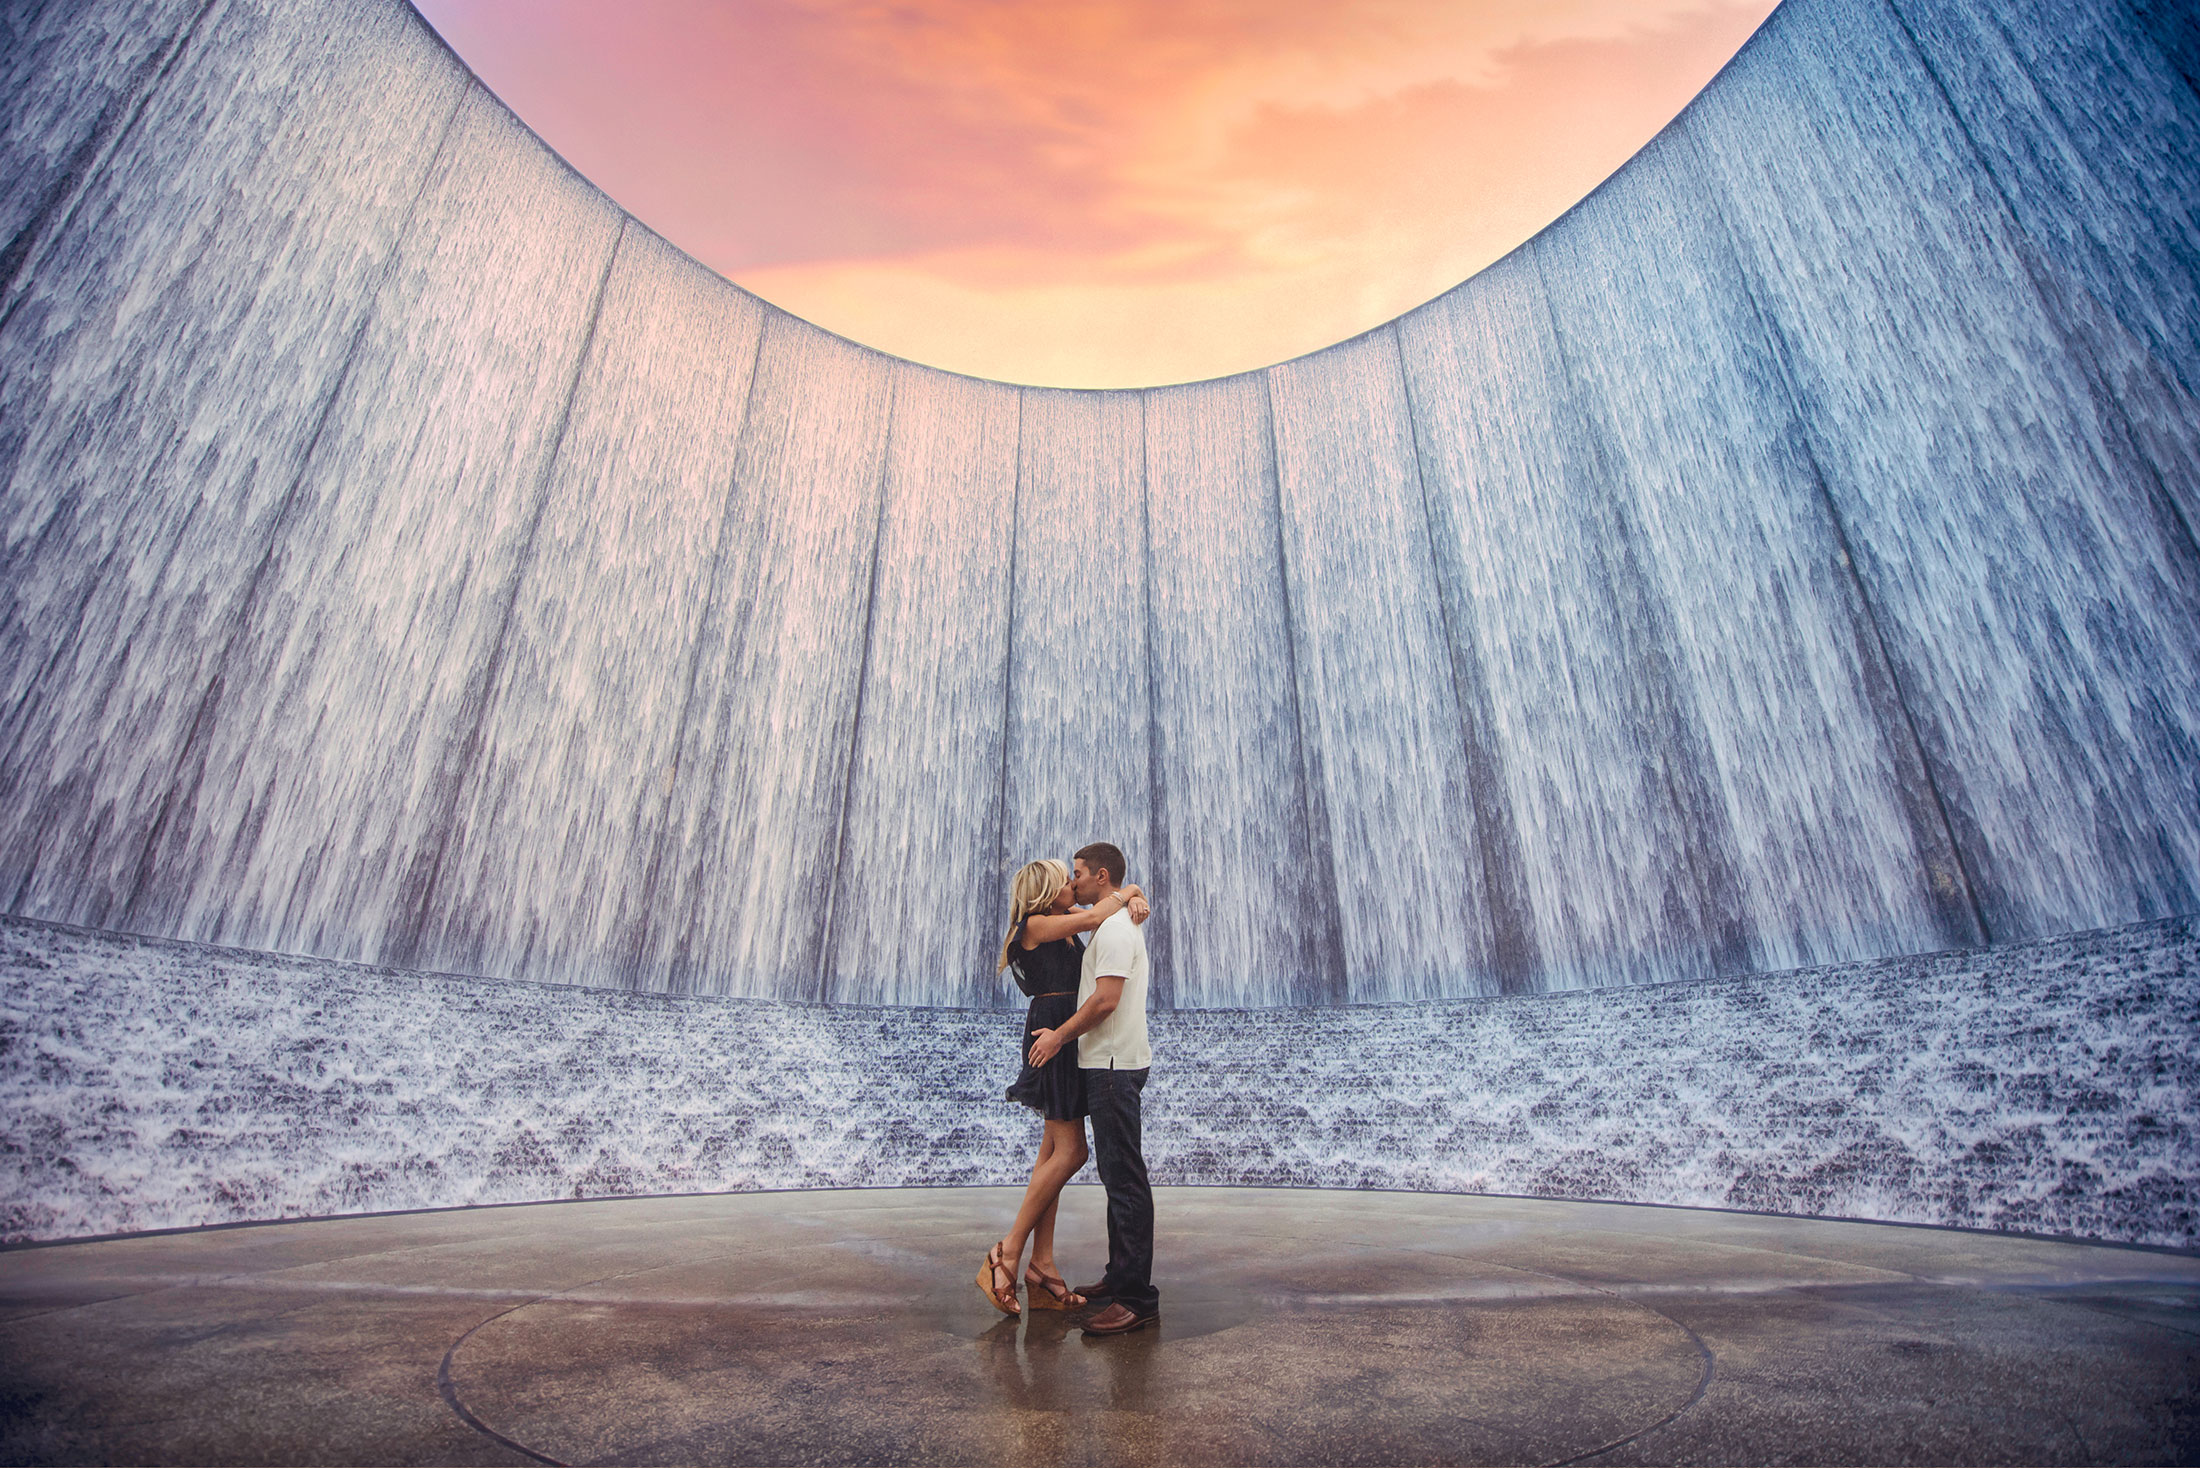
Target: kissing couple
1084,1055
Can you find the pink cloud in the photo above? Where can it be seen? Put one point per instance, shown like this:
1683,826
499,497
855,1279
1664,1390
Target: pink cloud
855,160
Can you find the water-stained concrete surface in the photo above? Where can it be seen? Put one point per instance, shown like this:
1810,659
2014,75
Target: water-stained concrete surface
1296,1327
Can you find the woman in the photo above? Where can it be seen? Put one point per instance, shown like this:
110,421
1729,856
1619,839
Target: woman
1043,948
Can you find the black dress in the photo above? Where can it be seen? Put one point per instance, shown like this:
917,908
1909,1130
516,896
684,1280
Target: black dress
1049,974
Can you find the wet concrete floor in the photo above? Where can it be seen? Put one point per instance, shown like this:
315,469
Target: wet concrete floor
1297,1327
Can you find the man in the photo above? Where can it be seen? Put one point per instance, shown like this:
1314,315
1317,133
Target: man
1110,1029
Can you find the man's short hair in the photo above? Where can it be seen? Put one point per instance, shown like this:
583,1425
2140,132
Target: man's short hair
1104,856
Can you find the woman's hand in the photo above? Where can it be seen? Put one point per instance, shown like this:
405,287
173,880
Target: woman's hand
1140,909
1043,1045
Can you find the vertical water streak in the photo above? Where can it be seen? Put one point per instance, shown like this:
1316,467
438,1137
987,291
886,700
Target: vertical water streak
1159,863
78,76
1377,702
2150,424
1665,700
2037,600
1839,847
359,674
1079,762
1252,912
158,414
918,902
752,833
2088,133
419,933
1531,549
560,813
2085,129
2174,26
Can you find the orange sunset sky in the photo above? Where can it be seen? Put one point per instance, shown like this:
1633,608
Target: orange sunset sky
1096,193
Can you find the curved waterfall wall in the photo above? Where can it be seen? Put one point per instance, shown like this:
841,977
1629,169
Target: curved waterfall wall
1786,558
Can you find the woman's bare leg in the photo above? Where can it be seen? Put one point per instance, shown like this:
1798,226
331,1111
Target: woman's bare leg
1012,1242
1042,1235
1042,1239
999,1279
1061,1153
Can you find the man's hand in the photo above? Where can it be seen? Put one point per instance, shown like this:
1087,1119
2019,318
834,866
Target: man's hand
1043,1045
1106,994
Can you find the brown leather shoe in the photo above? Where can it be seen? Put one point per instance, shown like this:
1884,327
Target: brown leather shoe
1117,1319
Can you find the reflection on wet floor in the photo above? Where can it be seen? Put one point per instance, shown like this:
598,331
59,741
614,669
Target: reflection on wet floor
1296,1327
1187,1311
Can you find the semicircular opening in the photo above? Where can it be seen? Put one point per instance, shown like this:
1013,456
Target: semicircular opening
1118,193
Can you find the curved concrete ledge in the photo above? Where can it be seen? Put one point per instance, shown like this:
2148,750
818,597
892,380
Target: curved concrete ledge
2049,1088
1785,559
1305,1327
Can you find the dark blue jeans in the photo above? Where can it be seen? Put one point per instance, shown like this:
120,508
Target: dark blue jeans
1117,1144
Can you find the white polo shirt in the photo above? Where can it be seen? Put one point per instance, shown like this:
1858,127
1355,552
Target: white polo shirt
1118,1042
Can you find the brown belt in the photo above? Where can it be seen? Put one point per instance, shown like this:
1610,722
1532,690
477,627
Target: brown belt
1057,994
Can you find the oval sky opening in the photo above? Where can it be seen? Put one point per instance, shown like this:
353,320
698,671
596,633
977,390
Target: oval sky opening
1118,193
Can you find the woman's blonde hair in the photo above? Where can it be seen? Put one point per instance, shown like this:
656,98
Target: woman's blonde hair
1032,889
